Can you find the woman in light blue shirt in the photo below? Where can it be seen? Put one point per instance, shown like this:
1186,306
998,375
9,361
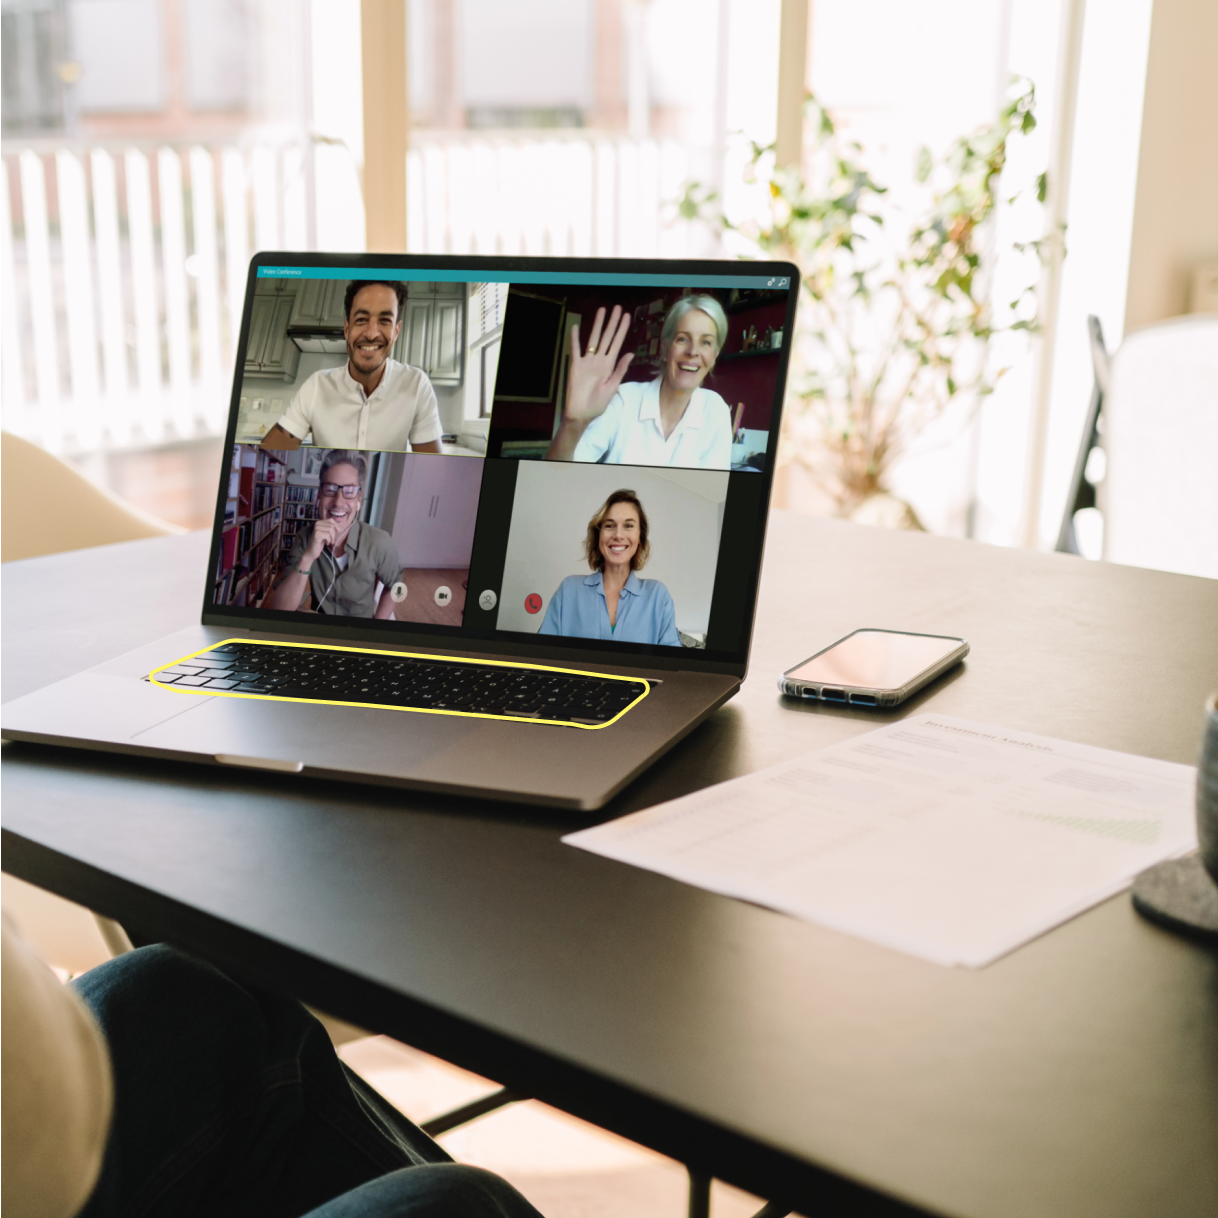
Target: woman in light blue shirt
613,602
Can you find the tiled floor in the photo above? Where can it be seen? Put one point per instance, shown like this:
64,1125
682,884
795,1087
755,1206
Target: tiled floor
566,1168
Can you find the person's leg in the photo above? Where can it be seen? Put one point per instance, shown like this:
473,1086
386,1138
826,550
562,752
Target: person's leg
441,1190
228,1100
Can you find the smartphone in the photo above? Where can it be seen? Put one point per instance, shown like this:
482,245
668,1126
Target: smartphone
873,667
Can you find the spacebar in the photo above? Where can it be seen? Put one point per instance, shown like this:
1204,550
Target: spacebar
419,701
296,691
329,693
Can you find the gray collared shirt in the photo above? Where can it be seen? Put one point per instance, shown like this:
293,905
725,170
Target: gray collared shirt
371,555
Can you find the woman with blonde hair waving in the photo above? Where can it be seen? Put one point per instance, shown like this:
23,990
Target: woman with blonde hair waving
672,420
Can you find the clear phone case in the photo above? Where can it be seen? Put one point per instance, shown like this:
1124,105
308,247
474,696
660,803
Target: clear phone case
871,696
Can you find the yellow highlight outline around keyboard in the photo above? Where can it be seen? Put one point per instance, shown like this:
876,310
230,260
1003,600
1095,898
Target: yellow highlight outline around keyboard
402,655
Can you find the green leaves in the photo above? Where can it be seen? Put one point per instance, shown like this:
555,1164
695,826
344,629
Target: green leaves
696,201
895,320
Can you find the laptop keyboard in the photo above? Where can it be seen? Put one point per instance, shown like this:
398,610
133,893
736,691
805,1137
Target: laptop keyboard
404,682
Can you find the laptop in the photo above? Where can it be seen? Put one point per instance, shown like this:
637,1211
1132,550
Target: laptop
489,527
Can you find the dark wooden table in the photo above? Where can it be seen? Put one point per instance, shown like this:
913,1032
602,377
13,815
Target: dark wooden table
1077,1076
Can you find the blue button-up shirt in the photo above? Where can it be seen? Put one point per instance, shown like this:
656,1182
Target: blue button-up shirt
645,612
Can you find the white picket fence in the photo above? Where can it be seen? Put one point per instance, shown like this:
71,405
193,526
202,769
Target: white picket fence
573,197
122,282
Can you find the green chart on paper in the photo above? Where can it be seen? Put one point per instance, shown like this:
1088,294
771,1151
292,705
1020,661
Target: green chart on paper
1143,832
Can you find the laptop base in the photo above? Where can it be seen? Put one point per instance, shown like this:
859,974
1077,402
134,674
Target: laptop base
113,708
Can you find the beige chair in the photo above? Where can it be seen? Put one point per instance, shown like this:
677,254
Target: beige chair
48,507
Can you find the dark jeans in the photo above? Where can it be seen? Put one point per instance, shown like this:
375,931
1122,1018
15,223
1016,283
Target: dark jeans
229,1101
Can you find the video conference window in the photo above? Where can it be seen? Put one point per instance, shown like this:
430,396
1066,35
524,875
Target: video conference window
663,377
374,365
602,552
349,533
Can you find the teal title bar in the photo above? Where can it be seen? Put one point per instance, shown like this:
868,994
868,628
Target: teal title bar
597,279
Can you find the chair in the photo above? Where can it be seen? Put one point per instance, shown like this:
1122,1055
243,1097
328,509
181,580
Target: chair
48,507
1082,496
1149,452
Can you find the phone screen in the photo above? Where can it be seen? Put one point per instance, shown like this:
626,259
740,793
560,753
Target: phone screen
875,659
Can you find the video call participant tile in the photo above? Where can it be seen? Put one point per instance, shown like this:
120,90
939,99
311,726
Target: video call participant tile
349,533
613,553
681,378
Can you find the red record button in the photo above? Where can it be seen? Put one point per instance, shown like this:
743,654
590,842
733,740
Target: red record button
532,602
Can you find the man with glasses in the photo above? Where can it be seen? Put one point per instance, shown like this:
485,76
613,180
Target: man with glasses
339,559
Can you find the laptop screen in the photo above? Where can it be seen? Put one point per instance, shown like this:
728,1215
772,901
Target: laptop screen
545,452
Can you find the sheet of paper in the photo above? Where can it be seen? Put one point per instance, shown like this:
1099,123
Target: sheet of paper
951,840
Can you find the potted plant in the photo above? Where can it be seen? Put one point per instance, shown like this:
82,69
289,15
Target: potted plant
894,324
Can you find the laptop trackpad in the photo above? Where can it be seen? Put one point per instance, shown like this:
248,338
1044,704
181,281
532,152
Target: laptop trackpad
92,706
351,738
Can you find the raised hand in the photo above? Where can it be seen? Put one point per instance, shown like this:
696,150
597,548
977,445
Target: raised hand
595,375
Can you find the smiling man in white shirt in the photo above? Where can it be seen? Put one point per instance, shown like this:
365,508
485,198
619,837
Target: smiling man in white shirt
371,401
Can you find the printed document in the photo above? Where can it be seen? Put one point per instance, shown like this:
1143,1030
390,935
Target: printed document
951,840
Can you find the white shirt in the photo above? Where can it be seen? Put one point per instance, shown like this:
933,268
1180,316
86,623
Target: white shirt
333,406
630,431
